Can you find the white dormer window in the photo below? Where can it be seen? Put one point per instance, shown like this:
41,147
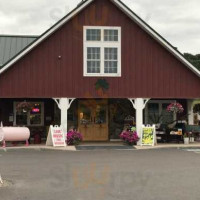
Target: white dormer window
102,51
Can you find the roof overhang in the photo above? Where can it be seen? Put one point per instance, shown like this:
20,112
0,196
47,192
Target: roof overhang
123,8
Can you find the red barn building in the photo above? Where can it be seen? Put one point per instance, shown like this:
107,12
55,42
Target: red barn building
98,69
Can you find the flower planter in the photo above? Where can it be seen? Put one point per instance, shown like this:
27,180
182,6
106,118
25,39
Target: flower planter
175,108
129,137
186,141
130,143
37,138
191,139
24,106
74,138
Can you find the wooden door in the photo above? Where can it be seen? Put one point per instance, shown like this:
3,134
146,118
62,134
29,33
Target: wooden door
93,120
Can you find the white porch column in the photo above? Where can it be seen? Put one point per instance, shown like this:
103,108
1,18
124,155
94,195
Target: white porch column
190,104
139,105
64,104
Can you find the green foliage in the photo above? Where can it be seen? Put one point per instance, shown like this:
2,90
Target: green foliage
193,59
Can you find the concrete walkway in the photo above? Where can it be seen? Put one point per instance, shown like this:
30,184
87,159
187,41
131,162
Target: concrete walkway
168,146
40,147
73,148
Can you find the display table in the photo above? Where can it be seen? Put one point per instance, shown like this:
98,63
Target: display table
167,135
175,137
161,136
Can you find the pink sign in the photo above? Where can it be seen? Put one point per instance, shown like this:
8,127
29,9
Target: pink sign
58,137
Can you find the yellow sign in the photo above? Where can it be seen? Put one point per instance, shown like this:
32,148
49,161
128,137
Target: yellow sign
148,135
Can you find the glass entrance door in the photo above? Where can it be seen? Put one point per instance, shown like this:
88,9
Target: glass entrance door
93,120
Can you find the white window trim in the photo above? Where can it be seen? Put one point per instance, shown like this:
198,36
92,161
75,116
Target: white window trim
101,44
160,102
28,119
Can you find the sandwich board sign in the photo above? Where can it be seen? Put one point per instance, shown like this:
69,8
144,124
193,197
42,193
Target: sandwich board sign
148,135
1,134
56,137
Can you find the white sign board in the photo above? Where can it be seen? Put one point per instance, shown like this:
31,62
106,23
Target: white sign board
56,137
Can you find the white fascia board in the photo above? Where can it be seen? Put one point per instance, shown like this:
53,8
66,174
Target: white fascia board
47,34
156,36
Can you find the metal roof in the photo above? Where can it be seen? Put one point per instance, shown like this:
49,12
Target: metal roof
10,46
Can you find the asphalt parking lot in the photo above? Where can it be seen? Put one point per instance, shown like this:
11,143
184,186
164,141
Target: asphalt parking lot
160,174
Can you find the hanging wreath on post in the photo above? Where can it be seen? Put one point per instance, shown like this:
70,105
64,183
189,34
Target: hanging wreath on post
175,108
24,106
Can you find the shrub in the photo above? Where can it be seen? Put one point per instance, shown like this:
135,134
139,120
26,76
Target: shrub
129,137
74,138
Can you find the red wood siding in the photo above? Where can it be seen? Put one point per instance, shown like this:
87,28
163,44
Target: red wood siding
148,70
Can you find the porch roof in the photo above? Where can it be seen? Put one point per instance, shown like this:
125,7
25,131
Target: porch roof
11,45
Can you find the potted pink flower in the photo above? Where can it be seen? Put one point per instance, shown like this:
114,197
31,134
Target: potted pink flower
24,106
130,137
74,137
175,108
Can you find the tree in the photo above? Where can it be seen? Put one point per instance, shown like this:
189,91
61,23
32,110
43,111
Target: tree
193,59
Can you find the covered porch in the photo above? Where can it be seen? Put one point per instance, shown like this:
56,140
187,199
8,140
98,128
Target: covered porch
102,120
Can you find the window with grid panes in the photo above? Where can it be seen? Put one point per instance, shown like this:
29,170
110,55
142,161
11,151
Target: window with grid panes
102,51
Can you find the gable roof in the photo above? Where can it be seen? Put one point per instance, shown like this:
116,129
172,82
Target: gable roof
11,45
124,8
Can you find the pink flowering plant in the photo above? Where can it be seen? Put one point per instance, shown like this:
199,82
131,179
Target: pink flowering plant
74,137
129,137
175,108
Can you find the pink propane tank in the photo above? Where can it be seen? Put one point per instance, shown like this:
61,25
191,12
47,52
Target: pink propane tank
16,134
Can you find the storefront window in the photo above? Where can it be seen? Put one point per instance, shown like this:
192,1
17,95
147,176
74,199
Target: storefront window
100,113
153,113
33,117
167,117
35,114
21,118
85,114
156,112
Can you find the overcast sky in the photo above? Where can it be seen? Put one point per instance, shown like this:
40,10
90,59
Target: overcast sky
176,20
